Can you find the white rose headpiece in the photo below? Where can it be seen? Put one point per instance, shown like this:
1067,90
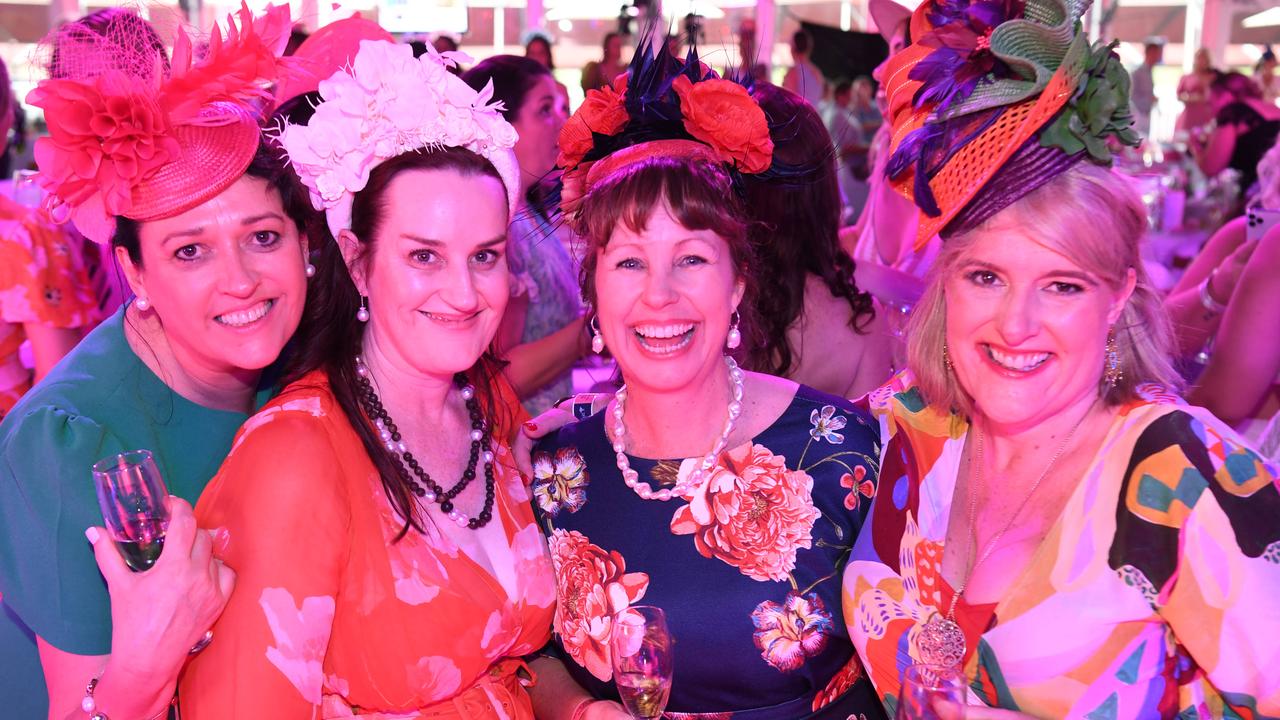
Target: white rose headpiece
388,103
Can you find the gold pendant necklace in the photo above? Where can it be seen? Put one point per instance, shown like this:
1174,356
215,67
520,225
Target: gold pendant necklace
940,640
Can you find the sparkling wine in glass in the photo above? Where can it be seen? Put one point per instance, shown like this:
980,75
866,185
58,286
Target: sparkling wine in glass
132,496
640,650
931,692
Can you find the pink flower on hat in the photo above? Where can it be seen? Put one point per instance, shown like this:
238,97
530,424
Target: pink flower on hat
104,136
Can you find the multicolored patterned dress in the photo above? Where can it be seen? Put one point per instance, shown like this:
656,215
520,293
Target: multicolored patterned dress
42,280
332,616
1155,595
746,566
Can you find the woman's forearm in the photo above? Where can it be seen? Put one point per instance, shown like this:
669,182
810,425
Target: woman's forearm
534,364
124,691
556,693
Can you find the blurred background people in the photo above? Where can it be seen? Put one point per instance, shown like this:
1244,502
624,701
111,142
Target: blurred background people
803,77
598,73
1142,89
1193,93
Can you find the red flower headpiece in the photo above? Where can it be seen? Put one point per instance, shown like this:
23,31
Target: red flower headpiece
668,106
129,138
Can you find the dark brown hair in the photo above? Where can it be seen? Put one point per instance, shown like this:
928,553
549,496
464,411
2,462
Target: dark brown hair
699,196
330,336
797,227
512,77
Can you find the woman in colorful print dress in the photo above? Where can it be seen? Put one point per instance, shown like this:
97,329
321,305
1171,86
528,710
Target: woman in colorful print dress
1052,518
388,564
728,499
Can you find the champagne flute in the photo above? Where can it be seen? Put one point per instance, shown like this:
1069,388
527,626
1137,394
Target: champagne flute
133,498
927,687
640,652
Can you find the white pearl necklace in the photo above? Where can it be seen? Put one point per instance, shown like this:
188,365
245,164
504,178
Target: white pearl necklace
694,479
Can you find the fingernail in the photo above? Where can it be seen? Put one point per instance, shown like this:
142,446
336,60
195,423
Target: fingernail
92,534
531,426
220,537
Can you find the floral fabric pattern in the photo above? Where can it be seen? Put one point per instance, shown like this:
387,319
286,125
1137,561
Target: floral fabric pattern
560,481
747,563
336,614
593,587
43,279
751,512
1170,541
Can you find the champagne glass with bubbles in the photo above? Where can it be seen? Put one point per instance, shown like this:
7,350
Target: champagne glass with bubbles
133,498
640,650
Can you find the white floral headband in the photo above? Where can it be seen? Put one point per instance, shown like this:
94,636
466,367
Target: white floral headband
388,103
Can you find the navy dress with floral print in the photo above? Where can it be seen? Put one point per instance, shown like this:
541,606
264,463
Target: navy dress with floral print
747,566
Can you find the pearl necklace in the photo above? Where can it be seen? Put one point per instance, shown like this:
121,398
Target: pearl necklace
420,483
694,479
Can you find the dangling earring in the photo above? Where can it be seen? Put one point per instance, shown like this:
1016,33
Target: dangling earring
143,304
735,336
363,313
597,340
946,358
1112,373
311,270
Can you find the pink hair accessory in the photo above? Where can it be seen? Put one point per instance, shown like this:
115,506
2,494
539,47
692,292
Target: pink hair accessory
327,51
130,137
387,103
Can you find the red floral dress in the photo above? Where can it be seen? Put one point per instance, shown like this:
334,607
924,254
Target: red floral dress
746,566
42,280
331,616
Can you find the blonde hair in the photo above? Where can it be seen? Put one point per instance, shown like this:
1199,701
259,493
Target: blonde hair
1086,196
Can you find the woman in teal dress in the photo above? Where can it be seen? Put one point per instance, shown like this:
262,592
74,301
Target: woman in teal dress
209,232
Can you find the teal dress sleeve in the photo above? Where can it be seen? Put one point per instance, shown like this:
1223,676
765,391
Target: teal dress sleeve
48,576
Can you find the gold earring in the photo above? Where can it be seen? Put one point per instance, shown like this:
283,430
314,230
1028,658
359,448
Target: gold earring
1111,373
946,358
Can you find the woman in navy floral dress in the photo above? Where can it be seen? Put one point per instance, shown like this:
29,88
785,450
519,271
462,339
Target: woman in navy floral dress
729,499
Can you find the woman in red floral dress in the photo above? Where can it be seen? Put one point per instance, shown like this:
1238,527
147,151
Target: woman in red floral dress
728,499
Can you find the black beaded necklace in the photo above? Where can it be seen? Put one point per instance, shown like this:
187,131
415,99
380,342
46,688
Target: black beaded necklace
419,481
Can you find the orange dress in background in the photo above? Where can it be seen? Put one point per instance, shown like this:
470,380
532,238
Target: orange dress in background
330,618
43,280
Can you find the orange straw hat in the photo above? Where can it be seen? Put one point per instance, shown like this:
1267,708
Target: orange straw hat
133,135
994,98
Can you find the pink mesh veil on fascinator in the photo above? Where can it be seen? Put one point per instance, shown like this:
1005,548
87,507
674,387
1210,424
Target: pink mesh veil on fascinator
386,103
134,134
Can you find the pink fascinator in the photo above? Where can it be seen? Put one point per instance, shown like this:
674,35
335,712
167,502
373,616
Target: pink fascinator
132,134
385,104
326,51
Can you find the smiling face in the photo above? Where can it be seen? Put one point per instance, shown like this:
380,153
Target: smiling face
538,124
226,279
1026,326
436,273
665,297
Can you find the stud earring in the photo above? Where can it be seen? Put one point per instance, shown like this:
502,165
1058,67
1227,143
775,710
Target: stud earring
1111,373
143,304
597,340
363,313
311,270
734,338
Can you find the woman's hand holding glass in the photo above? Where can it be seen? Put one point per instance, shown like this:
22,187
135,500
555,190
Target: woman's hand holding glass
159,615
